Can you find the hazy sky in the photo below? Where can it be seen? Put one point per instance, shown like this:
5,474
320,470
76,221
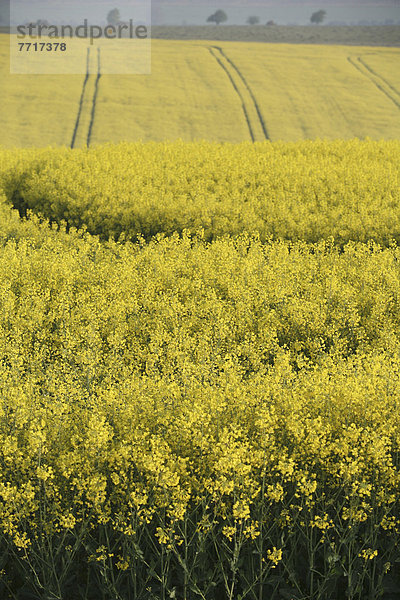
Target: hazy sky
196,12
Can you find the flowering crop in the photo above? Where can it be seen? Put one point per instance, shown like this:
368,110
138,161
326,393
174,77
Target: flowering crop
303,191
36,111
189,418
298,91
333,92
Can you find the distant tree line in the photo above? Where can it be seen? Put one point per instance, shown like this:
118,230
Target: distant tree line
220,16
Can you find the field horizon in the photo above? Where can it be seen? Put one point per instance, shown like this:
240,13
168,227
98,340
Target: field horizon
354,35
362,35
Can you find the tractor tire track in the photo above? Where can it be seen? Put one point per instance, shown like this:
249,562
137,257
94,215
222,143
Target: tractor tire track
78,118
378,76
377,80
96,91
237,90
250,91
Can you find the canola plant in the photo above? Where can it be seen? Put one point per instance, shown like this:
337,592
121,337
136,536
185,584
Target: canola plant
206,406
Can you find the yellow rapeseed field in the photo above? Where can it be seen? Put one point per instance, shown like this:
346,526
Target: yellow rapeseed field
302,191
36,110
212,413
216,91
307,92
